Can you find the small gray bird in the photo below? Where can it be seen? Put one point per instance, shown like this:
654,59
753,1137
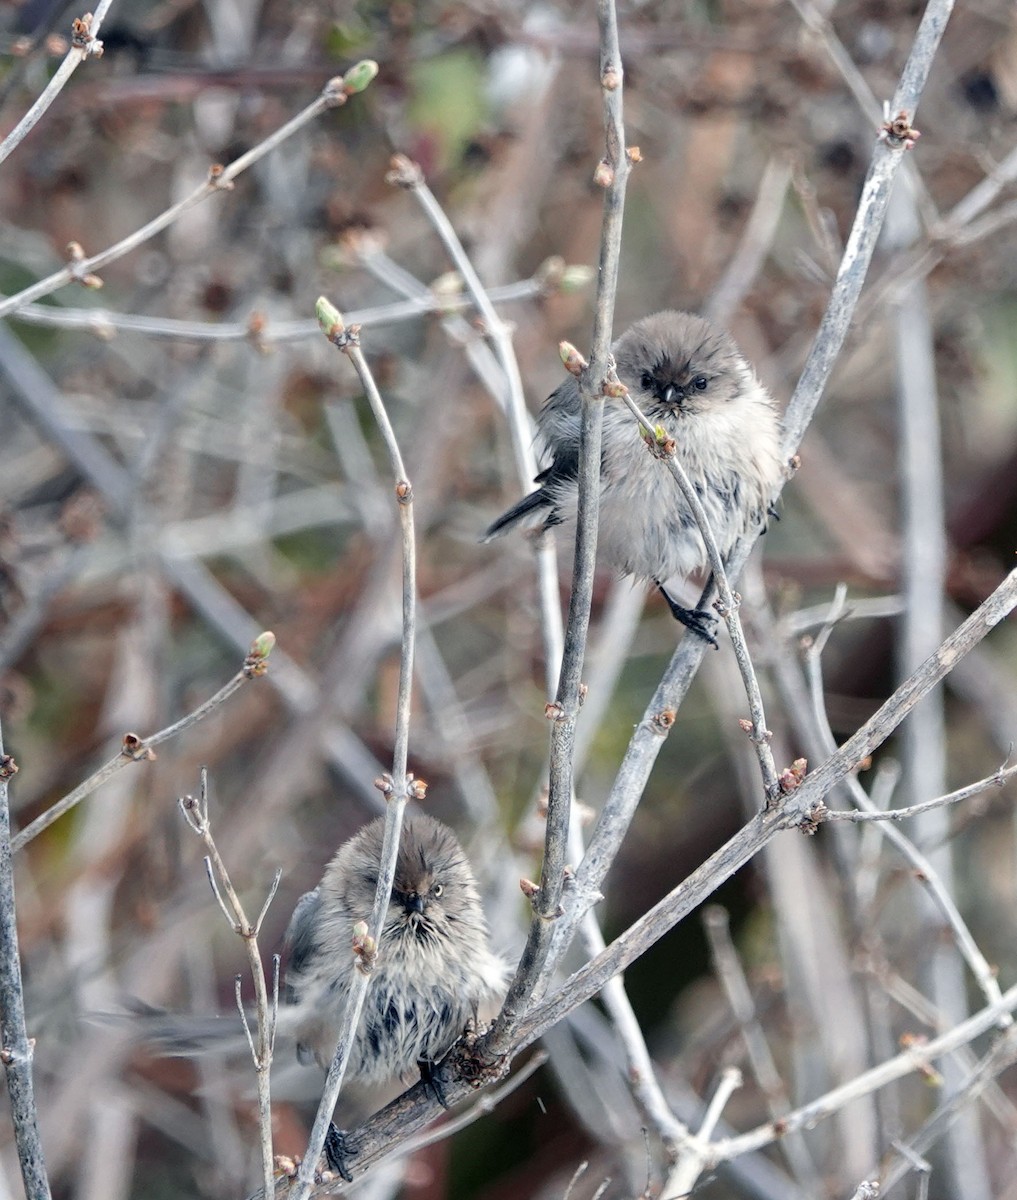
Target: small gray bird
691,379
434,967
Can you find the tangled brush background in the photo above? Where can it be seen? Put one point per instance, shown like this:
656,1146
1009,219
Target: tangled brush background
187,462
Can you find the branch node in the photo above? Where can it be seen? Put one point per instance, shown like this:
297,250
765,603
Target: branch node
664,720
603,176
404,172
8,767
898,133
404,492
134,748
812,818
215,178
81,36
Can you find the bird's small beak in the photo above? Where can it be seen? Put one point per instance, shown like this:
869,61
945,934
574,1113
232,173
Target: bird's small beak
414,903
671,395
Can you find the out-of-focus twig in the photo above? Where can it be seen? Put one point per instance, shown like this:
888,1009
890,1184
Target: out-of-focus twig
732,979
103,322
408,175
937,890
915,1058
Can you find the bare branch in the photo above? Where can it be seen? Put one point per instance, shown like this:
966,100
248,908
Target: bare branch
136,749
83,268
261,1040
398,788
84,44
16,1049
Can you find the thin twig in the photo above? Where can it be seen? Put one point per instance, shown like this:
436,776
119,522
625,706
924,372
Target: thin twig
103,322
397,788
220,179
924,869
85,43
646,1089
996,780
915,1058
728,604
973,1086
261,1042
547,899
137,749
408,175
729,972
682,1178
16,1049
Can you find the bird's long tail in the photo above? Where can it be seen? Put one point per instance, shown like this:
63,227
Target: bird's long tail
532,503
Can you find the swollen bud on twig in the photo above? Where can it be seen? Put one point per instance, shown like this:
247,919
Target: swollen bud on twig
659,444
572,360
256,664
8,767
603,176
330,320
365,949
359,76
790,779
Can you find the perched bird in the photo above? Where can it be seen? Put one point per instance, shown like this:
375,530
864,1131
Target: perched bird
691,379
433,971
434,966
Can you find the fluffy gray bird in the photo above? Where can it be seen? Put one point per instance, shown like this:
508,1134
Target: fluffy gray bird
434,966
691,379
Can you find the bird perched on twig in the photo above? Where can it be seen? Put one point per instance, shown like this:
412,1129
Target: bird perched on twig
691,379
432,971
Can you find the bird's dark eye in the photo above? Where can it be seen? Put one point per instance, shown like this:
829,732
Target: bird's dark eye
437,890
700,383
647,381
